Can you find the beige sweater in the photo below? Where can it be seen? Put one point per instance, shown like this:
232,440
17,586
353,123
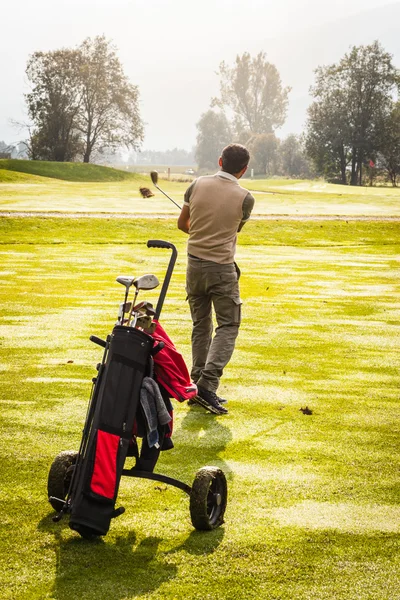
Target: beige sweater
216,210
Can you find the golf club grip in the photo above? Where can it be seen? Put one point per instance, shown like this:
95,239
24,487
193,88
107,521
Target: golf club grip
159,244
97,340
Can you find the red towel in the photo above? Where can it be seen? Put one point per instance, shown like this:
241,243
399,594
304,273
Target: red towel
170,368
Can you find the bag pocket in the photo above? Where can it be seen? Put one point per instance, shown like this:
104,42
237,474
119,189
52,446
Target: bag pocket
104,479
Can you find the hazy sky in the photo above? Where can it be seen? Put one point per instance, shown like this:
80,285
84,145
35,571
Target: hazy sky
170,48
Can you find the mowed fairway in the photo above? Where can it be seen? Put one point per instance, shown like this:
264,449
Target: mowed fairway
20,192
313,509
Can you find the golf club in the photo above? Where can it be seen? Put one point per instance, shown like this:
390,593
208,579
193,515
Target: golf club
154,179
127,282
145,282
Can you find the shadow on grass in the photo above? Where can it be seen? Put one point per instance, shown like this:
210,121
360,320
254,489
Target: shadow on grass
116,570
200,543
102,569
200,439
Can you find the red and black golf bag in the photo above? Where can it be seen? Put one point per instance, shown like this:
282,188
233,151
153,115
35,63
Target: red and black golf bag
116,417
102,460
139,373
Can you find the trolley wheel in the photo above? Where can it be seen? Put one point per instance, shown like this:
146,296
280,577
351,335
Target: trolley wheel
60,476
208,498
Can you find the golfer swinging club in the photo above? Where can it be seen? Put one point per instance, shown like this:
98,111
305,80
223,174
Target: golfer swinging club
215,208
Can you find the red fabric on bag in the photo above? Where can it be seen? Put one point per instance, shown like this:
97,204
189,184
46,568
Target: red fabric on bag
104,475
171,369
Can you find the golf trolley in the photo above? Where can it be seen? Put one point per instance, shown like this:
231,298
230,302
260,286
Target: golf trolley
139,372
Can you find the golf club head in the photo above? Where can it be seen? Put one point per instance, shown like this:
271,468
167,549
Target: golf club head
143,321
124,307
126,281
154,177
145,192
146,282
145,306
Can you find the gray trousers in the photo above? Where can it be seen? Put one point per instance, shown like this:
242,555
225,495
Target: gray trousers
211,285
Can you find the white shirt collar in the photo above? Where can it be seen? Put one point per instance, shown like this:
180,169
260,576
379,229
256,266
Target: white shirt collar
227,176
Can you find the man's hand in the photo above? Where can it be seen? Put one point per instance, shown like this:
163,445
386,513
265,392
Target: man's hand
184,219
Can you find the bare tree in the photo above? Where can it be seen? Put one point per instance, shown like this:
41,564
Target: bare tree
252,89
110,110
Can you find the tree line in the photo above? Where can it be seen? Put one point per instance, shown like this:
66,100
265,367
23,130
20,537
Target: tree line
81,104
353,123
352,133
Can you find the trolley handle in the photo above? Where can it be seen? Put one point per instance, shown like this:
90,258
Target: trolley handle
160,244
171,264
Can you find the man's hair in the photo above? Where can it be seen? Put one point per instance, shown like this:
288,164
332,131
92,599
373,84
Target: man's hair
235,157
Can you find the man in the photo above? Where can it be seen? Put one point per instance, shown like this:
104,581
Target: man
214,210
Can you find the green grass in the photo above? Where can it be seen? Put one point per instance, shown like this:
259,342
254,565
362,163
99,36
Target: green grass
320,198
313,510
318,186
12,177
65,171
273,197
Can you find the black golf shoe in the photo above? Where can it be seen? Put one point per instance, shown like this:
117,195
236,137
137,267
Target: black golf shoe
210,401
192,401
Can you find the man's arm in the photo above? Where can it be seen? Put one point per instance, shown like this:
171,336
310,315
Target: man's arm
184,219
248,204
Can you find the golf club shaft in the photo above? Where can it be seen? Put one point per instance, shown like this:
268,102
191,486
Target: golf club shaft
125,301
131,311
169,198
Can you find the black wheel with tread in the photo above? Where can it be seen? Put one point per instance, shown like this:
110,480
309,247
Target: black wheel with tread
60,476
208,498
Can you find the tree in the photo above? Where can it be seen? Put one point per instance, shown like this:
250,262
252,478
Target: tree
328,136
80,101
371,81
109,113
352,100
263,151
389,155
213,135
252,89
53,105
293,159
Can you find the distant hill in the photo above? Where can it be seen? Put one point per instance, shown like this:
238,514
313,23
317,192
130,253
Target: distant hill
7,176
65,171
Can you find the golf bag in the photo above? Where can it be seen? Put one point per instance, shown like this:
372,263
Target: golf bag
109,431
140,371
